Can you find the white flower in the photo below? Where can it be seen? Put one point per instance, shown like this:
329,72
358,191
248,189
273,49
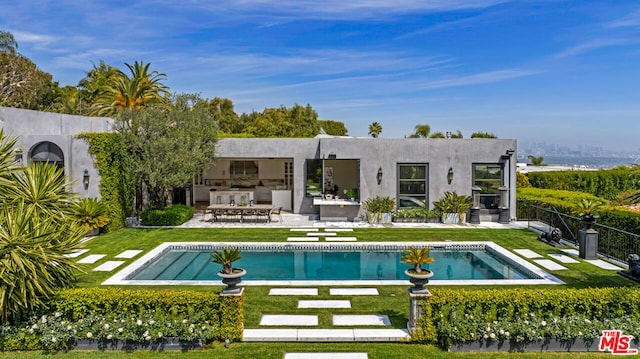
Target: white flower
43,319
506,334
35,326
488,328
109,336
580,333
543,323
147,338
151,322
139,322
106,326
473,335
190,329
501,332
145,334
184,321
485,336
492,335
160,334
120,330
89,335
54,339
69,327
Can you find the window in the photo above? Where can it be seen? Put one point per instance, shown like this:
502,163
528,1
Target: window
313,178
489,178
48,152
244,169
412,185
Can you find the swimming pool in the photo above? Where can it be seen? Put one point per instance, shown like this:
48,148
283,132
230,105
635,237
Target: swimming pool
299,264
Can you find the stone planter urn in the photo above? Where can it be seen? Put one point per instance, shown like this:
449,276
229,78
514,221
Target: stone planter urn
231,280
418,279
588,221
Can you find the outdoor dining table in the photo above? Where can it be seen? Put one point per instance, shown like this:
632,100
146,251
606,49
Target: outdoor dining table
237,213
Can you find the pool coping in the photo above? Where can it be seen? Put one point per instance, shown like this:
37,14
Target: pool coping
120,278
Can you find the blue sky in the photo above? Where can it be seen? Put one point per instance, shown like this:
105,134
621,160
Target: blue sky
552,70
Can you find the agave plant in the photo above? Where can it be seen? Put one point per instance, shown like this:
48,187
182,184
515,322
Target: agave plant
226,257
416,257
90,213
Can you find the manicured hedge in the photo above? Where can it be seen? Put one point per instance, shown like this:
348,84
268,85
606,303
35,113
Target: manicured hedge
225,313
565,202
454,314
170,216
602,183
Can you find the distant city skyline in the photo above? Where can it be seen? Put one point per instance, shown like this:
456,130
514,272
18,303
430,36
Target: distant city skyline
563,72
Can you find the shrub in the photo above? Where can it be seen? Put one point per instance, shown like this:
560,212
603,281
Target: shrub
170,216
90,213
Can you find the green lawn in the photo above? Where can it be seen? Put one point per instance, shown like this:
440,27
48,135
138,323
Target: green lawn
392,300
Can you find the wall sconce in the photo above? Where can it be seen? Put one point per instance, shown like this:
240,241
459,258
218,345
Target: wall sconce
450,176
85,180
379,175
332,156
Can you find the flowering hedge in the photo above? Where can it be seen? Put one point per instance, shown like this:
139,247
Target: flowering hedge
117,314
527,314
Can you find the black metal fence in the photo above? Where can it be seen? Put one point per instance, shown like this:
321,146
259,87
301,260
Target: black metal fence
613,243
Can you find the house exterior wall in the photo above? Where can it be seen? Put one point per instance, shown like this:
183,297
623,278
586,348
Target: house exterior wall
34,127
376,153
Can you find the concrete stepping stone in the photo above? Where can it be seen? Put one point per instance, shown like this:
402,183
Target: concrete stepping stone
338,229
324,304
361,319
108,266
325,335
572,252
293,291
289,319
603,264
335,355
353,291
549,264
527,253
304,229
129,253
562,258
270,335
318,234
76,253
380,335
302,239
91,258
341,239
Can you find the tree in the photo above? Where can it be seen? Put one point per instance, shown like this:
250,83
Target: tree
536,161
167,145
223,113
437,135
333,128
421,131
375,129
36,235
23,85
458,134
480,134
297,121
144,88
8,43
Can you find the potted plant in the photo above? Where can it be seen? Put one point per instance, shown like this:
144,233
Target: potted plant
586,209
351,193
91,214
417,275
230,276
453,207
379,209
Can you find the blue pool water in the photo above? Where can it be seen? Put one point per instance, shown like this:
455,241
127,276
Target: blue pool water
450,264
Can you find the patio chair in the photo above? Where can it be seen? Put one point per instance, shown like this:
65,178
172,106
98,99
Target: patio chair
205,211
276,211
266,213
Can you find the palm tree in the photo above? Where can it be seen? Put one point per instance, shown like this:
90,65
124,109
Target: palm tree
375,128
8,43
143,88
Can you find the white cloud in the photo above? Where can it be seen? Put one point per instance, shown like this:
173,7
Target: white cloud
594,45
631,20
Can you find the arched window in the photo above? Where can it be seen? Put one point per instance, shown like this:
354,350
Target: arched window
48,152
